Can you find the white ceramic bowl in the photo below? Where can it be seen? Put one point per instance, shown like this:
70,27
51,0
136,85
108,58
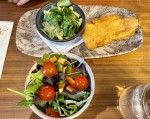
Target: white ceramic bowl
92,85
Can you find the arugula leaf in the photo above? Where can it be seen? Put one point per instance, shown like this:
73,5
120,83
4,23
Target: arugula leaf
73,109
69,109
53,104
66,112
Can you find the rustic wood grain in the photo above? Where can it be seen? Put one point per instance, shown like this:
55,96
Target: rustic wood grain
124,70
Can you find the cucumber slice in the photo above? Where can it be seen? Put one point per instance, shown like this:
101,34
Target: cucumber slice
59,67
68,69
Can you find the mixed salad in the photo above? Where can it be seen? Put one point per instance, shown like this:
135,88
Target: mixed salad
61,21
59,86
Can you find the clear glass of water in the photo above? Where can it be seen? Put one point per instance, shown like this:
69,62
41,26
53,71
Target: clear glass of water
134,102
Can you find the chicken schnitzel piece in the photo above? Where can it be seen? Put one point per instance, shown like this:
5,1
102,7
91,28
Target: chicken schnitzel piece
102,31
126,29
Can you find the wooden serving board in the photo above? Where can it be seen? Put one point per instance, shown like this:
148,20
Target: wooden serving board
29,42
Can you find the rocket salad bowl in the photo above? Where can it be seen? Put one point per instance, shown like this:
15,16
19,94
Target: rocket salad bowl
67,102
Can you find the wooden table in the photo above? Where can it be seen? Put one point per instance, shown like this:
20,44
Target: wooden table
125,70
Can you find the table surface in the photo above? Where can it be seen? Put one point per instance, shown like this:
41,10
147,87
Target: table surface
125,70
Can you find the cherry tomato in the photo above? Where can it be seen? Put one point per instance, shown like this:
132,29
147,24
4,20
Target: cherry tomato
81,82
46,61
49,69
46,92
52,113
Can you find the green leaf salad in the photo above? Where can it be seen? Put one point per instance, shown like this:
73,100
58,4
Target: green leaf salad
59,86
61,21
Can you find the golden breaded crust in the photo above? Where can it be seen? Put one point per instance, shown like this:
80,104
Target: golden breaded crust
106,18
103,30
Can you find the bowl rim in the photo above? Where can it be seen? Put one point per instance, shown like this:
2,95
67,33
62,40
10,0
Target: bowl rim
57,40
92,86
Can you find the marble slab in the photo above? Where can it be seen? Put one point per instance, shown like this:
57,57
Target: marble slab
29,42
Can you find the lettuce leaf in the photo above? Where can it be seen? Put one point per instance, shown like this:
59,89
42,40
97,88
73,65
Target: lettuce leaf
45,57
63,3
31,89
25,103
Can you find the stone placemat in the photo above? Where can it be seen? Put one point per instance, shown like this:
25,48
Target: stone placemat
29,42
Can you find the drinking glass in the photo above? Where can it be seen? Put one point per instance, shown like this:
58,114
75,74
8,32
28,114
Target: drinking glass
134,102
